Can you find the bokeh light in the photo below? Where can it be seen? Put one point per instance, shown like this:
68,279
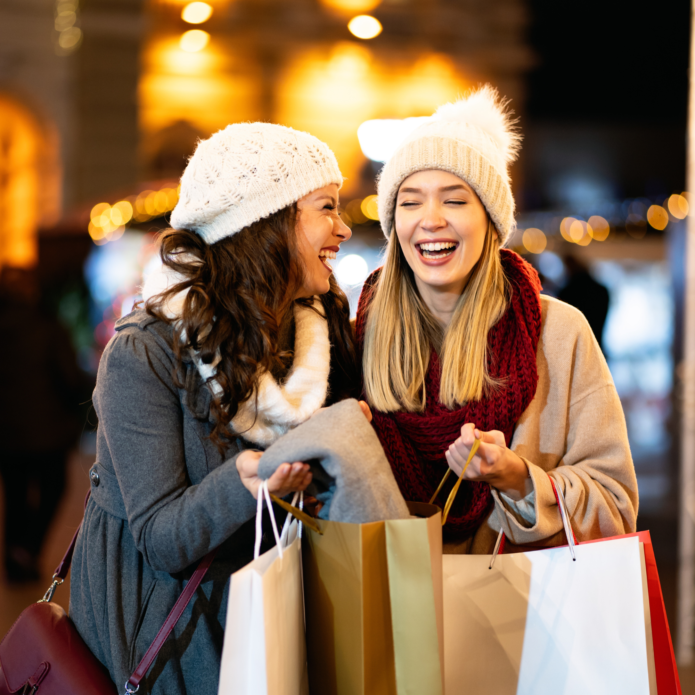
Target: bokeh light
354,210
565,228
534,240
379,138
370,207
657,217
352,5
352,270
196,12
194,40
598,228
365,26
678,206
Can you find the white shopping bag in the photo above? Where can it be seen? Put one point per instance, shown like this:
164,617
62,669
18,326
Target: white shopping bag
561,621
264,649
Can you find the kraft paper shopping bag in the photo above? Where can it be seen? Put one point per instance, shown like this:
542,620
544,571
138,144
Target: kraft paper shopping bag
374,606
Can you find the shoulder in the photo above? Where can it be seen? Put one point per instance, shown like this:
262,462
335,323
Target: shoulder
141,346
568,350
560,319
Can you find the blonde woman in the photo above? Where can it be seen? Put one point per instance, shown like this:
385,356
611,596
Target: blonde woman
459,344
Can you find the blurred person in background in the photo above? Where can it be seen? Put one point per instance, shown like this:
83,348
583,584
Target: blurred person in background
41,389
587,294
459,344
244,335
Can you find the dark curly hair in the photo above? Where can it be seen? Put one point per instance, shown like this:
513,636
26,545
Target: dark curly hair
241,290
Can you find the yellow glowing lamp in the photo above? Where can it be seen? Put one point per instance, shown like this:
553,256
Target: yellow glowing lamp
365,26
196,12
194,40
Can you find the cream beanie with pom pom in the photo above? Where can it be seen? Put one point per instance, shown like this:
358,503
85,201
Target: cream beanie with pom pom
474,139
247,172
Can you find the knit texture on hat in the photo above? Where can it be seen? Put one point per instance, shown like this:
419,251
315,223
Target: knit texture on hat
247,172
474,139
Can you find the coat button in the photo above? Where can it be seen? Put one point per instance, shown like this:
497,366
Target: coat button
94,477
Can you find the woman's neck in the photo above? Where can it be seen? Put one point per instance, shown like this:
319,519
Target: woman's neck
440,301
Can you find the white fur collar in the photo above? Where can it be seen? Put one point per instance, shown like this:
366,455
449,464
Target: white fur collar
280,406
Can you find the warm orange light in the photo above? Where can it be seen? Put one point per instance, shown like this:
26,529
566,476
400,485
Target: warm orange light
598,228
534,240
657,217
194,40
352,5
678,206
578,231
365,26
370,207
196,13
565,226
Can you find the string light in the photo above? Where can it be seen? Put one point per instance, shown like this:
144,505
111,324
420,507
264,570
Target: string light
194,40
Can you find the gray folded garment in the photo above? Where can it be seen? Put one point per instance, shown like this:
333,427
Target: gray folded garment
352,476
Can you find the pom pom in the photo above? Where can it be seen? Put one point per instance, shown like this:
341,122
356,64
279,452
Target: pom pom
485,110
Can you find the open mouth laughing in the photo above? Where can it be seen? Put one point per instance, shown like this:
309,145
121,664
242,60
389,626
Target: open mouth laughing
327,254
436,250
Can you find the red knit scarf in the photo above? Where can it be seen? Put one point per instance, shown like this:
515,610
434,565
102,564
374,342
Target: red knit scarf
415,443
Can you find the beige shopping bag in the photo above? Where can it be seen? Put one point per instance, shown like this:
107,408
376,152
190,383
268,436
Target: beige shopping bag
373,595
545,623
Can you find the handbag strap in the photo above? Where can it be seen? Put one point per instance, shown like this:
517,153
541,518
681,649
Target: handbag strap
133,683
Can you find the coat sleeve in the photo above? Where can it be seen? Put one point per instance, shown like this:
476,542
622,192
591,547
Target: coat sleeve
173,522
575,432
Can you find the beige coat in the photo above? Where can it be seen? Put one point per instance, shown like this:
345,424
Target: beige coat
573,430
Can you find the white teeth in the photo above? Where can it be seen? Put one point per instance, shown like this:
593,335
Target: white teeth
437,246
325,253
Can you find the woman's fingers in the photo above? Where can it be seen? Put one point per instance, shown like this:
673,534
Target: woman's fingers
366,410
290,478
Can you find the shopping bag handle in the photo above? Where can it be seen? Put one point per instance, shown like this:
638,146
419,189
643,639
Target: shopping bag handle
263,492
298,514
567,526
286,527
455,489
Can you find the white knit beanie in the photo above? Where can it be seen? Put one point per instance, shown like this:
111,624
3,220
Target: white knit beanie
473,138
247,172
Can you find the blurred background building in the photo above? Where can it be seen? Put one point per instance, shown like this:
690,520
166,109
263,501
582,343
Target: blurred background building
102,101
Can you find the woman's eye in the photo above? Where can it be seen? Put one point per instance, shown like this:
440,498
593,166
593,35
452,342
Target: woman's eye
408,204
456,202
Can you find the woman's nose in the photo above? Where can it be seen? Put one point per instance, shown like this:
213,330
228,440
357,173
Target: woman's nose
432,218
343,231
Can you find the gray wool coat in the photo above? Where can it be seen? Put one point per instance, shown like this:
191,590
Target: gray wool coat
162,497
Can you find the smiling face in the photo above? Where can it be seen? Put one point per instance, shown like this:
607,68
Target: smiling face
441,226
320,231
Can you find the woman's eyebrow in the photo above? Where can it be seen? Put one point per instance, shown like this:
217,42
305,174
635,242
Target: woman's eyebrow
326,197
444,189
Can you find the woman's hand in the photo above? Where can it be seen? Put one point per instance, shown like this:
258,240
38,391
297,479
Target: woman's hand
494,463
287,478
366,410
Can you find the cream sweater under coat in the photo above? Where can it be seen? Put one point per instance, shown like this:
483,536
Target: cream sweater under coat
573,430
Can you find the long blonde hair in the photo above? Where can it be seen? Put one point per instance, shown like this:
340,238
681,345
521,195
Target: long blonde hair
401,332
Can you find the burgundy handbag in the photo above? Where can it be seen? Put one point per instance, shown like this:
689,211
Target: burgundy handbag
43,653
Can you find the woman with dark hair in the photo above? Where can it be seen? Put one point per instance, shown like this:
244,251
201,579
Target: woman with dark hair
244,335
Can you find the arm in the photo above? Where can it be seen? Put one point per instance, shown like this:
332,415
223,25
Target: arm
173,523
574,430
